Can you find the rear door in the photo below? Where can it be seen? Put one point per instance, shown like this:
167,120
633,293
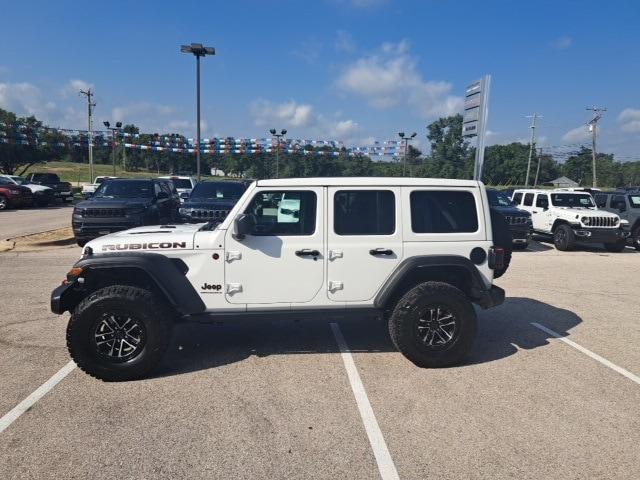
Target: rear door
364,240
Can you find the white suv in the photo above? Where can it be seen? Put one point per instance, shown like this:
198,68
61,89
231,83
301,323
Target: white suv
570,216
418,251
184,185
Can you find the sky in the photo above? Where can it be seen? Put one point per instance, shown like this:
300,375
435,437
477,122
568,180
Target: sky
351,70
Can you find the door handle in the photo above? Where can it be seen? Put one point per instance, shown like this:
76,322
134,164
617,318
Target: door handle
380,251
534,211
305,252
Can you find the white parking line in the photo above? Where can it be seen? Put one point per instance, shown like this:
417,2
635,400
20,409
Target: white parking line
380,451
595,356
40,392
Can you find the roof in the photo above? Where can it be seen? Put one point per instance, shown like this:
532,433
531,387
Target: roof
367,182
564,181
549,190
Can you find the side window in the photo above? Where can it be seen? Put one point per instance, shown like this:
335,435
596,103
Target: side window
364,212
619,203
290,212
601,201
156,188
528,200
517,198
542,201
443,212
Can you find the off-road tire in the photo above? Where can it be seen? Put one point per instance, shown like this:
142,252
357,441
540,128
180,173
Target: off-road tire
563,238
635,237
501,238
405,318
616,247
124,300
81,243
4,204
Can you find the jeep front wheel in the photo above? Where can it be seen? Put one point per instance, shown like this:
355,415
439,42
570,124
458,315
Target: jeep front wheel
433,325
119,333
563,238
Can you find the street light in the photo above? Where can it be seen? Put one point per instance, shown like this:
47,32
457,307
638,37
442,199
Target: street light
198,50
406,148
113,141
282,133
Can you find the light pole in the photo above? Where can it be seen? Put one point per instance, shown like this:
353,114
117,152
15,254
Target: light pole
406,148
198,50
275,133
113,141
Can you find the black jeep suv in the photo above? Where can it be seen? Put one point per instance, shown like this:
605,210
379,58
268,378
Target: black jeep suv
120,204
211,201
519,221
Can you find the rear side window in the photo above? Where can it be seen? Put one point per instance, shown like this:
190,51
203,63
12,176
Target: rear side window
443,212
364,212
517,198
601,201
528,200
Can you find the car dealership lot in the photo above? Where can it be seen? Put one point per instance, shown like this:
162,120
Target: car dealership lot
14,223
273,399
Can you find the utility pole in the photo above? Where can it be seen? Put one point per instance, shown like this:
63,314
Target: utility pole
406,149
535,184
593,127
533,118
89,94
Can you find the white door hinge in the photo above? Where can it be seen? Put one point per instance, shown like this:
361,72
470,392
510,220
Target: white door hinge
234,288
232,255
335,285
333,254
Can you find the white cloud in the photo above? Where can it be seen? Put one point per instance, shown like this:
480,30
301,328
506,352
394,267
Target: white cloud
562,43
344,42
26,99
389,78
288,114
309,51
629,120
577,134
133,113
344,129
74,86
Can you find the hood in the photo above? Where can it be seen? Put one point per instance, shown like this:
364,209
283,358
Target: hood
37,188
158,238
586,212
512,211
114,203
223,204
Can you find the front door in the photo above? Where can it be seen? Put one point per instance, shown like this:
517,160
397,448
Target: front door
364,240
282,260
540,213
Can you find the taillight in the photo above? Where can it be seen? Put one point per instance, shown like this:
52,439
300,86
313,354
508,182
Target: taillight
496,258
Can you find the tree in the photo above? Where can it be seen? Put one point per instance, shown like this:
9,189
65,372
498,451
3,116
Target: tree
450,153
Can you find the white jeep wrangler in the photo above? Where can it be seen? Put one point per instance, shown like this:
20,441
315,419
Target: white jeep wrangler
569,216
417,251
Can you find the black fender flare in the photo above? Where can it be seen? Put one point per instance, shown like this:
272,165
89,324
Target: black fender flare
479,292
167,274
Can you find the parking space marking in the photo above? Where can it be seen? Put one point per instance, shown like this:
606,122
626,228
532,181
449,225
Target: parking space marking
380,451
40,392
589,353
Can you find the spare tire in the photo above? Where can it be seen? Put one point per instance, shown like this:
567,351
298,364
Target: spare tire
501,238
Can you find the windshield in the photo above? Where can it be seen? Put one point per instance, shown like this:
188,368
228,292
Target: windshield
634,200
46,177
217,191
19,180
498,199
572,200
5,181
126,189
181,182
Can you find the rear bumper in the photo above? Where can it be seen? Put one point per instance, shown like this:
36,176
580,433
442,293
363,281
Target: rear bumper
492,297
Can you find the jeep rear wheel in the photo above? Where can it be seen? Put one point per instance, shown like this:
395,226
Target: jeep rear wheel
119,333
563,238
433,325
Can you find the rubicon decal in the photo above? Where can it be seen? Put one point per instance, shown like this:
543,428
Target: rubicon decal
144,246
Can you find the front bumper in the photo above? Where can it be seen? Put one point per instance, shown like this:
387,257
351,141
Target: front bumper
57,297
600,235
521,235
93,227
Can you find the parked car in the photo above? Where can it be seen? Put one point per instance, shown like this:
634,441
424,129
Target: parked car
13,196
62,190
211,201
120,204
519,221
42,196
184,185
90,189
625,203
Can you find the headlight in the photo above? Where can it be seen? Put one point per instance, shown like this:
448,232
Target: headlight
15,192
78,211
585,220
184,211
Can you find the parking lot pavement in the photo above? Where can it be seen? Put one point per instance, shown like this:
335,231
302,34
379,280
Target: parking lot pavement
14,223
273,400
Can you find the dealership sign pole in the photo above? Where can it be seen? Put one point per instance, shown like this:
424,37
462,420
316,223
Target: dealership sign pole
474,122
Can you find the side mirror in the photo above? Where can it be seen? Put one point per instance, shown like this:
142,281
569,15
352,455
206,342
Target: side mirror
243,225
162,195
